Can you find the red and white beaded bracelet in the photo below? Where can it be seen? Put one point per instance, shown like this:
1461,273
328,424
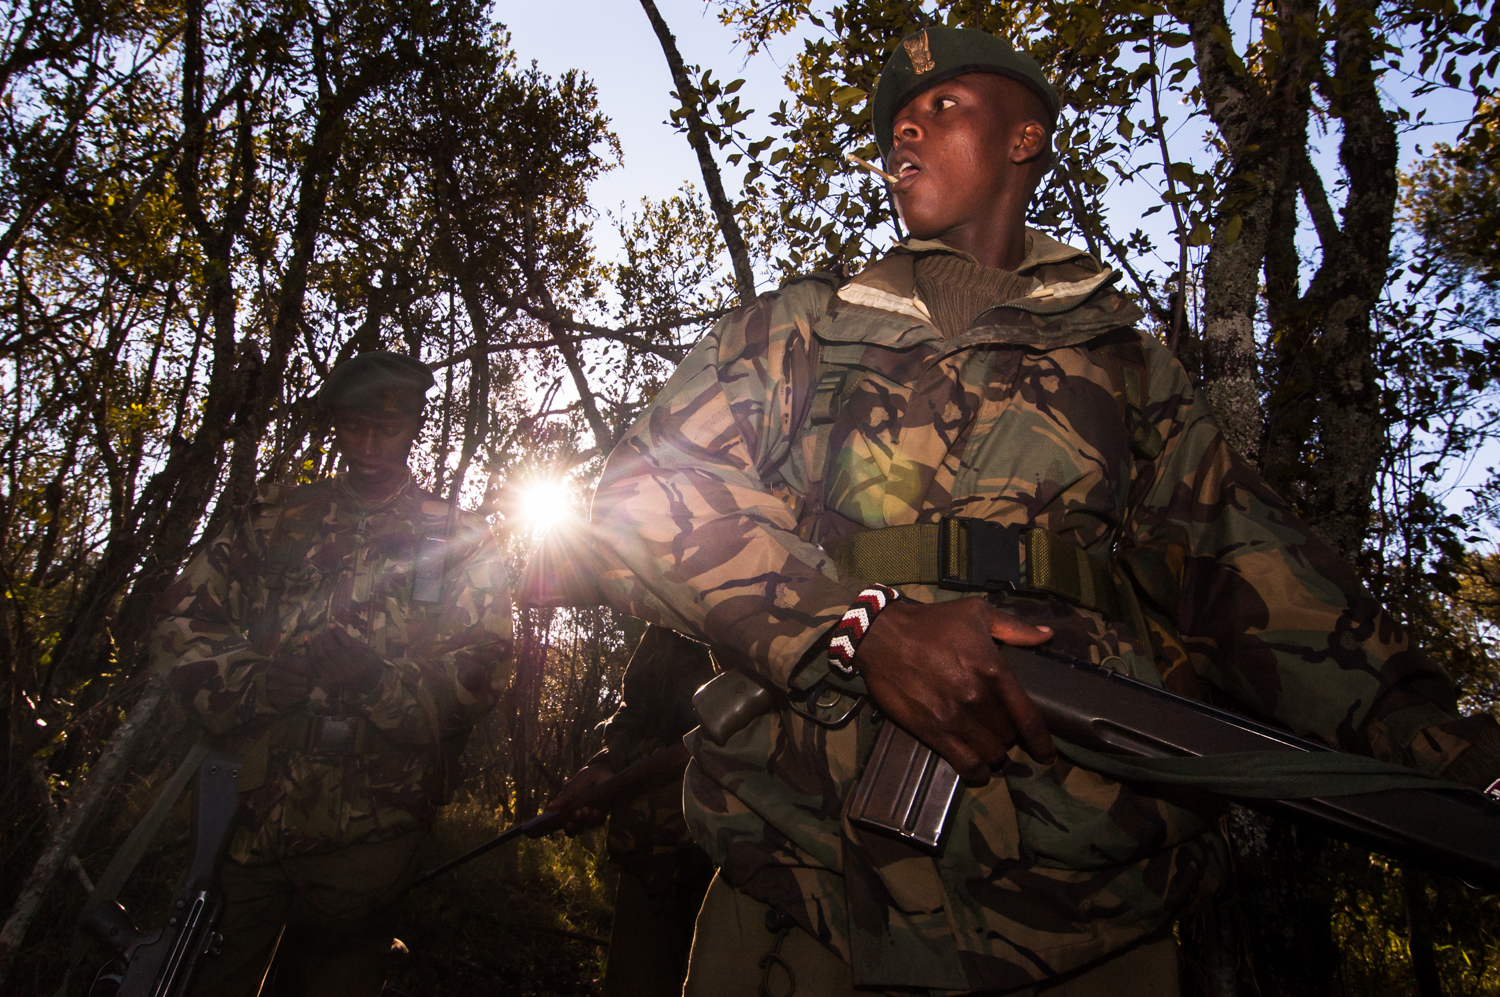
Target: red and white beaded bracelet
844,641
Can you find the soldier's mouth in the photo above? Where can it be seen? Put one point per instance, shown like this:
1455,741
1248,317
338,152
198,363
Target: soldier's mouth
905,171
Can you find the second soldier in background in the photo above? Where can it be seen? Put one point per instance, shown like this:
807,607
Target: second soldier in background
343,636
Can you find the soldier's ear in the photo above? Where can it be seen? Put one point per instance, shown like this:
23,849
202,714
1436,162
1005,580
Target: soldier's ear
1032,143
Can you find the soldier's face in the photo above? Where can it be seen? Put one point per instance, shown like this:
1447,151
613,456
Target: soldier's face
966,152
375,445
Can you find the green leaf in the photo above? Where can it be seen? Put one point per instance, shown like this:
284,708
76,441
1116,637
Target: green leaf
1232,229
1200,235
844,96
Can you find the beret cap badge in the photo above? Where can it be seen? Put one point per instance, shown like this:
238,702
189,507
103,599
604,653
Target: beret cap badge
929,56
919,54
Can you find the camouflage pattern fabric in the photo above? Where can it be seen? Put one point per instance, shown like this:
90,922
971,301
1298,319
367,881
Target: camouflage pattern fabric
822,410
353,567
648,836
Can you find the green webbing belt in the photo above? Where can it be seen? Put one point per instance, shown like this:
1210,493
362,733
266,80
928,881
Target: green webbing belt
1269,775
896,555
915,554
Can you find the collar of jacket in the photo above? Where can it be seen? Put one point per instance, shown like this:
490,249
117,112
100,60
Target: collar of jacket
1071,301
350,498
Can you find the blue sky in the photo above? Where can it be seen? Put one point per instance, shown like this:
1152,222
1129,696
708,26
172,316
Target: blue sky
612,41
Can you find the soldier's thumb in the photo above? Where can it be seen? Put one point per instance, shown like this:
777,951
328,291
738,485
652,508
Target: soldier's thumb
1009,630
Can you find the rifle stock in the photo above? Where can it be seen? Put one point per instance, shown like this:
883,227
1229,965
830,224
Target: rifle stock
162,963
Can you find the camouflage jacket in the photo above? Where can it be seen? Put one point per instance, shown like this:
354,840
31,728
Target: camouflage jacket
647,834
433,604
823,410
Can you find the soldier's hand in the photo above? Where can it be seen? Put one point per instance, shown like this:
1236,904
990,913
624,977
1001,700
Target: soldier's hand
582,818
288,680
938,671
343,662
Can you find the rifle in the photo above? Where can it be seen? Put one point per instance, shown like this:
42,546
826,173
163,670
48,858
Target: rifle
910,791
162,963
1139,733
642,776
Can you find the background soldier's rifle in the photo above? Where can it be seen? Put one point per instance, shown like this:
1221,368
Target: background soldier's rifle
651,772
162,963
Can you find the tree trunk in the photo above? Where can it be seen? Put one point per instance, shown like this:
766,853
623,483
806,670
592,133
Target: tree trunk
1419,929
83,806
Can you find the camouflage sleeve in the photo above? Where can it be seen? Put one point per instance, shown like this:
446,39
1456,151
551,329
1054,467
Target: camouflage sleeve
694,537
468,661
657,704
1269,614
200,643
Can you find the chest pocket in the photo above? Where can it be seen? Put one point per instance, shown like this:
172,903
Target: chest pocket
285,567
1130,381
836,384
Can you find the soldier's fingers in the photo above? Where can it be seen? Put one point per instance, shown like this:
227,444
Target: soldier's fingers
990,740
974,770
1030,726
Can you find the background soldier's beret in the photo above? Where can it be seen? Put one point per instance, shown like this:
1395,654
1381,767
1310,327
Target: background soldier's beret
377,381
937,53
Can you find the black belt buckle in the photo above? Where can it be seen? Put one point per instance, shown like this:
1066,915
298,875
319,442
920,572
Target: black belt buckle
333,735
975,554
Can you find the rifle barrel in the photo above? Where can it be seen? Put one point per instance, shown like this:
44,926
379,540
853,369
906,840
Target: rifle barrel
510,834
641,777
1457,833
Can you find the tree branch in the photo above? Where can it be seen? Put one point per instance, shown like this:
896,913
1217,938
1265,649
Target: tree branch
1316,199
734,239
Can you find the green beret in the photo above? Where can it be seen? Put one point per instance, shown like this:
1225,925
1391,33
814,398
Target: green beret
937,53
377,381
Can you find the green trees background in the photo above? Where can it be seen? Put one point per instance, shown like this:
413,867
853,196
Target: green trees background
204,206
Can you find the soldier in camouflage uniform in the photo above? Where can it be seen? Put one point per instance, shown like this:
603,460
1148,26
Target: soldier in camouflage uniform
812,444
343,636
663,874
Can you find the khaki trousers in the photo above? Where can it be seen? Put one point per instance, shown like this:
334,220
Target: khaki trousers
314,925
731,939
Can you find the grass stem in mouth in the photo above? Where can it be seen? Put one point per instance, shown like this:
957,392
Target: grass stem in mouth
890,177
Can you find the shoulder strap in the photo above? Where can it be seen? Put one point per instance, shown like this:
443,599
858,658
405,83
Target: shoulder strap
813,425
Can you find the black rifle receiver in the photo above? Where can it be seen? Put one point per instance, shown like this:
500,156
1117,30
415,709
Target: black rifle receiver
909,791
162,963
